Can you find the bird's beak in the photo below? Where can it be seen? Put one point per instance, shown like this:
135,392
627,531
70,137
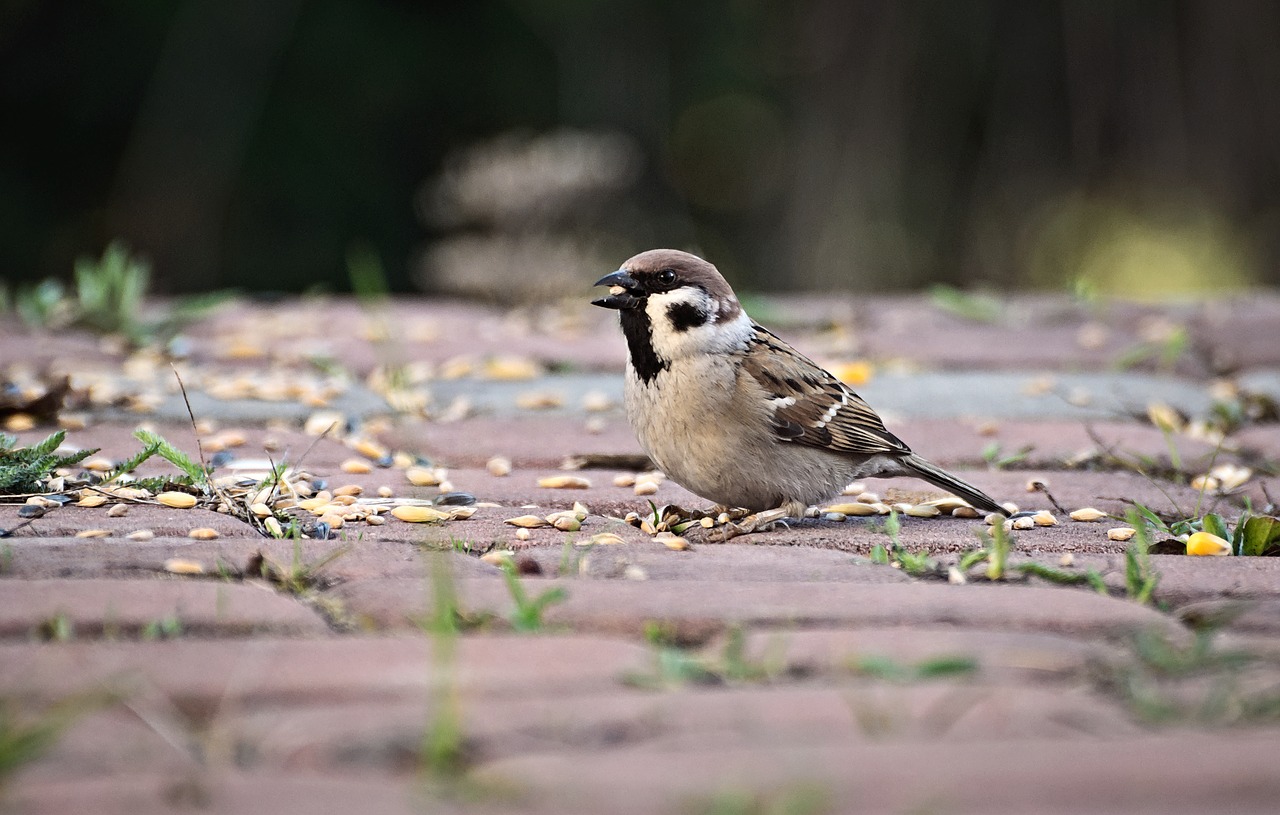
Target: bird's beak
624,291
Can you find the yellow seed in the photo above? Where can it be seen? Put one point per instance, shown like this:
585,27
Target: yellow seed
955,576
673,542
624,480
527,521
94,533
1121,533
344,500
522,534
312,504
1164,417
141,535
423,477
385,492
461,513
707,523
419,515
564,482
369,449
232,438
1044,518
260,510
356,466
1024,522
375,520
965,512
539,400
867,498
92,500
1086,514
947,503
646,488
118,511
1010,507
334,520
993,518
498,557
834,516
1206,543
446,486
854,488
177,565
202,533
1067,559
856,508
273,527
177,500
1206,483
606,539
98,464
498,466
922,511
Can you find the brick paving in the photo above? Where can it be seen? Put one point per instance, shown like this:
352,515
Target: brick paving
778,672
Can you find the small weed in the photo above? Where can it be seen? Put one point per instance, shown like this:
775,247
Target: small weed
920,564
997,459
25,470
881,667
526,617
25,735
299,576
977,308
675,666
998,549
442,754
793,799
1140,577
165,628
1163,353
57,628
1172,682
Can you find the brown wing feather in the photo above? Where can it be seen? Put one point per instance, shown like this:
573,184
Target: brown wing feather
826,413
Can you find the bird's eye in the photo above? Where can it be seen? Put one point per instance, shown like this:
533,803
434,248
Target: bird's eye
666,277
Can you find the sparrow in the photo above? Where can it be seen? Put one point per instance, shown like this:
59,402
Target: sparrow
734,414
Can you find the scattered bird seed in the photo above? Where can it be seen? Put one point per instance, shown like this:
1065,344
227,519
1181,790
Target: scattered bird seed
1067,559
375,520
857,508
385,492
177,565
31,511
965,512
92,500
539,400
356,466
832,516
955,576
424,476
646,488
597,402
1086,514
349,490
527,521
118,511
1044,518
1024,522
98,464
673,542
606,539
141,535
1010,507
564,482
94,533
418,515
498,466
922,511
624,480
203,533
522,534
1121,533
177,500
272,525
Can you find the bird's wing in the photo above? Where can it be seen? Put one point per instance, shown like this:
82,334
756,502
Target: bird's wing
811,406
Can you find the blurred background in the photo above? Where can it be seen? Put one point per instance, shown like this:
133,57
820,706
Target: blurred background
518,148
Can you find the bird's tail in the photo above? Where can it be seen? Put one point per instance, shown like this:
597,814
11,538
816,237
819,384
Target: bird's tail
922,468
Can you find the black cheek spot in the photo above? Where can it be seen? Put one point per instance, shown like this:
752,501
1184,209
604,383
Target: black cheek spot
684,316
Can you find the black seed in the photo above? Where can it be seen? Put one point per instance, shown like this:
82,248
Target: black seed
455,499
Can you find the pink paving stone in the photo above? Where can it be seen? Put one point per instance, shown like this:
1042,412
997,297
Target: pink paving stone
702,609
200,676
1140,774
124,607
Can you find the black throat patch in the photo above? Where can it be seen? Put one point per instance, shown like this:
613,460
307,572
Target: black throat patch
639,334
684,316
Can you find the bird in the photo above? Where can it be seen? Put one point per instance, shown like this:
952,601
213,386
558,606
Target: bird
734,414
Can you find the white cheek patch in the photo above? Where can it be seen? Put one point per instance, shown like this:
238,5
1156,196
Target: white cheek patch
708,337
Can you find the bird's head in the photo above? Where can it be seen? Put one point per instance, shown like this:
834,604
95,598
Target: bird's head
681,300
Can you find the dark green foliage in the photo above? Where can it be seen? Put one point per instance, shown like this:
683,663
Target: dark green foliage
26,469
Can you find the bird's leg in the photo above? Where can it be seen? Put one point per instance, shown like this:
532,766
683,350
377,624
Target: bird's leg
759,521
